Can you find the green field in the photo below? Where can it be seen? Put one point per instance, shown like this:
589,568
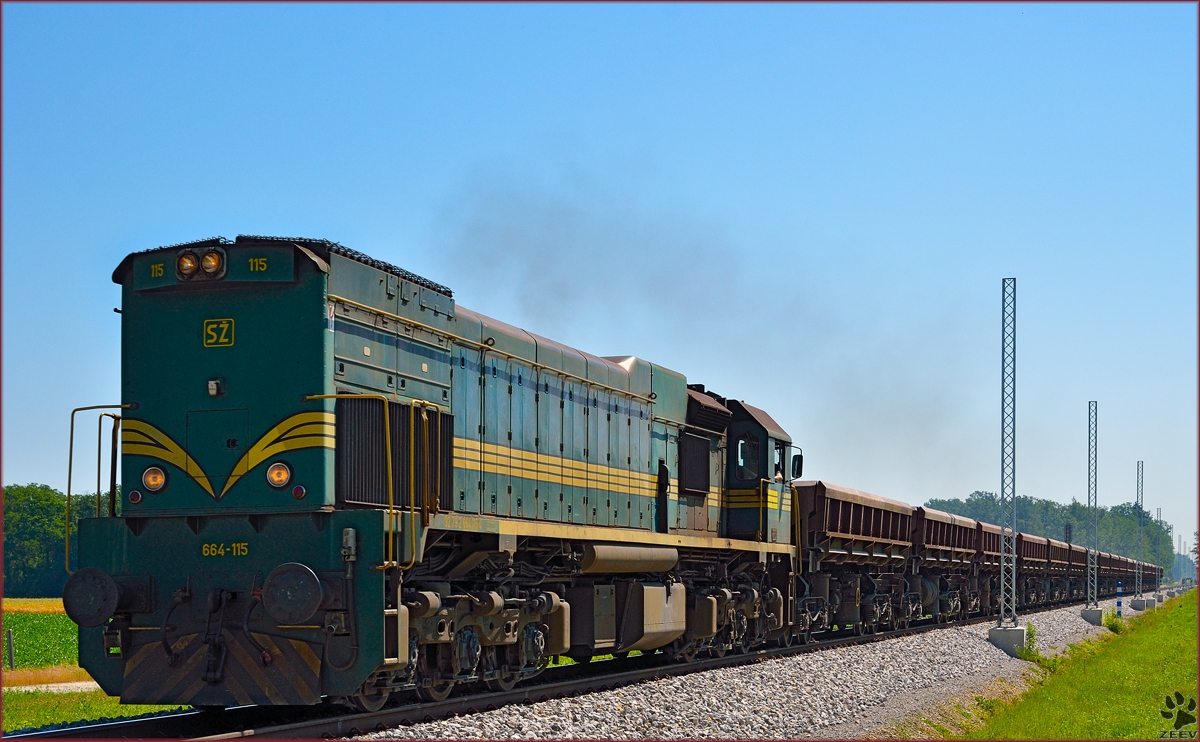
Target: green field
1113,688
42,640
24,708
50,641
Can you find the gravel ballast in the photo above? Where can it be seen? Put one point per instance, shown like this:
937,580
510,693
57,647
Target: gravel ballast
840,692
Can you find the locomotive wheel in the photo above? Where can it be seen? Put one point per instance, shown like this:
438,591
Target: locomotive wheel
718,653
439,691
504,682
500,660
689,652
787,639
370,703
681,650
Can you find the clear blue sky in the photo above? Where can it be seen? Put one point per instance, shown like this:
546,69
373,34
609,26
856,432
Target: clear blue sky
809,207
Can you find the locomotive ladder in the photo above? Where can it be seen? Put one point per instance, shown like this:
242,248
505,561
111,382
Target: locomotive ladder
112,495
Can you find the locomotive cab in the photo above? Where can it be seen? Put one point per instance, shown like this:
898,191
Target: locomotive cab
759,498
208,331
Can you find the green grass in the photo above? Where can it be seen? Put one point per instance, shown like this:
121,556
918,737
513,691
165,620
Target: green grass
41,640
1114,623
24,709
1112,688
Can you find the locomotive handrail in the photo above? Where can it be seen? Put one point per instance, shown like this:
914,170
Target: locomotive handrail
489,348
70,465
387,443
412,468
112,469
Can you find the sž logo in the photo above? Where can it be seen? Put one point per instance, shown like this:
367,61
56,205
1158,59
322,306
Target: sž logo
1181,711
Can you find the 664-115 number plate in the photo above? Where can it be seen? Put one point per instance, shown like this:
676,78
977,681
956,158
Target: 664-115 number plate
236,549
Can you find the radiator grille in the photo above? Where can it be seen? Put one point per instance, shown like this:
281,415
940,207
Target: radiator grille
693,464
361,466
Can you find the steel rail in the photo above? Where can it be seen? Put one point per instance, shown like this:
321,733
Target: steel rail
557,682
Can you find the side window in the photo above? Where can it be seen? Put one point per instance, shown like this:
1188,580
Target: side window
747,458
780,459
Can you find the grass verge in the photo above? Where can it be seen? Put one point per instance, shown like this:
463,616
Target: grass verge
955,716
42,639
1112,688
27,708
45,675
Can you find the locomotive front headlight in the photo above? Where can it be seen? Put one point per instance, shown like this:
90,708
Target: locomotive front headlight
292,593
211,263
187,263
278,474
154,479
90,597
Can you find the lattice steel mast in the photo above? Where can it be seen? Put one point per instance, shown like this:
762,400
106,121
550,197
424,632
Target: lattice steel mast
1137,569
1008,456
1094,520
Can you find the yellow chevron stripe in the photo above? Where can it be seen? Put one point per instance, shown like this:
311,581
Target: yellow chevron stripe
315,429
139,437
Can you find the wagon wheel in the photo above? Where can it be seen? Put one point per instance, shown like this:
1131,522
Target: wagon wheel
439,691
370,702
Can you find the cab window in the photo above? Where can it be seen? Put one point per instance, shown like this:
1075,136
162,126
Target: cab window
747,458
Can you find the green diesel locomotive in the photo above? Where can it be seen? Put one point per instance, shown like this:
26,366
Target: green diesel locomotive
337,484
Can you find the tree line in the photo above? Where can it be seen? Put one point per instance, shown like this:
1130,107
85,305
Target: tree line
1117,530
34,515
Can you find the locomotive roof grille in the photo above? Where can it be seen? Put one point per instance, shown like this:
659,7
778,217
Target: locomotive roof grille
355,255
326,246
209,242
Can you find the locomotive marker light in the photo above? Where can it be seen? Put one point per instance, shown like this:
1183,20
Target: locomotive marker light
154,479
278,475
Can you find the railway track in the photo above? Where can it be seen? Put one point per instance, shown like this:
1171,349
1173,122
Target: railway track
556,682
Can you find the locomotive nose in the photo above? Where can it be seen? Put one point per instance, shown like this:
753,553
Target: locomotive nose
90,597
